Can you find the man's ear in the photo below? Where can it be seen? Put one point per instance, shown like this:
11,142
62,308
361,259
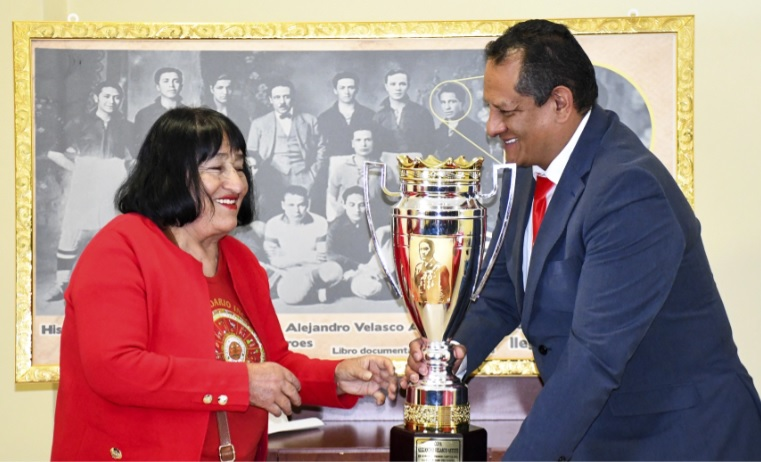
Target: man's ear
562,102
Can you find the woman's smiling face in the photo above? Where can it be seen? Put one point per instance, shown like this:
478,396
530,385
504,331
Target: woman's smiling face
225,184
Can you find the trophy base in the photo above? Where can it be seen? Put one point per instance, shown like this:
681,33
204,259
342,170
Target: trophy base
418,446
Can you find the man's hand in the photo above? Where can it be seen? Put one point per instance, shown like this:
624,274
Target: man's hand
273,388
367,375
416,365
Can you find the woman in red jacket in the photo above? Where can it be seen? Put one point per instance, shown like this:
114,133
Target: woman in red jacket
171,348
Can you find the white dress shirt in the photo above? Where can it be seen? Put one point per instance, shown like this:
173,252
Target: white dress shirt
554,172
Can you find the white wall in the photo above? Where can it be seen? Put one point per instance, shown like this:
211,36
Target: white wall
726,117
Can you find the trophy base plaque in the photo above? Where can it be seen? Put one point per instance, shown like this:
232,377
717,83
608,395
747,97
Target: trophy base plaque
409,445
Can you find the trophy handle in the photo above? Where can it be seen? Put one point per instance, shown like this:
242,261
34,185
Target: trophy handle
369,215
503,230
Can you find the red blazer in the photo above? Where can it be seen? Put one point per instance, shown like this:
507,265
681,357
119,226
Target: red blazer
138,370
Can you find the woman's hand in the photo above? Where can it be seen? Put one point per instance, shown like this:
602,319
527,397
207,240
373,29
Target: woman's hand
367,375
273,388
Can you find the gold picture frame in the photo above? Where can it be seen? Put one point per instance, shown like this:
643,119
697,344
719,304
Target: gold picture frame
653,55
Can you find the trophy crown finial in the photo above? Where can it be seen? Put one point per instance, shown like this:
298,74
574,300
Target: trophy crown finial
406,161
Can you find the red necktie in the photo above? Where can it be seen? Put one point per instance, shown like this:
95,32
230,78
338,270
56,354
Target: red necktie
543,186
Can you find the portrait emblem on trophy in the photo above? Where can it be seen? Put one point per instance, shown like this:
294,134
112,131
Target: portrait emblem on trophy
431,276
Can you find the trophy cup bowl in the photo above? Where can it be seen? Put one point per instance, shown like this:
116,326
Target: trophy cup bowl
438,232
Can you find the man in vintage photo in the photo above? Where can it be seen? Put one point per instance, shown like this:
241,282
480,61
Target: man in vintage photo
296,246
168,81
97,149
337,125
349,244
287,146
221,100
338,122
347,171
405,126
458,134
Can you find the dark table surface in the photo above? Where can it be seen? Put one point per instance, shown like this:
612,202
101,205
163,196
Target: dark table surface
498,404
366,440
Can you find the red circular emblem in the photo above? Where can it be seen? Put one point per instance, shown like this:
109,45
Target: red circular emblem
236,340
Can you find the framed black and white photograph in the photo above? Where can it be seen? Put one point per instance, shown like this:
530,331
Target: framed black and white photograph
86,94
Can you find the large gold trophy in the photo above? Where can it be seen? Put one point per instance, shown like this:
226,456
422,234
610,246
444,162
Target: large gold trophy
438,231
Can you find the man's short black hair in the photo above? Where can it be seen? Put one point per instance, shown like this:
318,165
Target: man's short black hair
166,70
107,84
458,89
296,190
551,57
280,82
346,75
352,190
394,72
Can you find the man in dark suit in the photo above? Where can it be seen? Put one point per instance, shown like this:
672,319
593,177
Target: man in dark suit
288,148
615,294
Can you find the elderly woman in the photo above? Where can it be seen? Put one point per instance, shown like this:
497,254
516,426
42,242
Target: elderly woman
171,348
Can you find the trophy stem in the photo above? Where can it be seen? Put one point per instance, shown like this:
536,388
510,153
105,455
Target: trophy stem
437,355
439,402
